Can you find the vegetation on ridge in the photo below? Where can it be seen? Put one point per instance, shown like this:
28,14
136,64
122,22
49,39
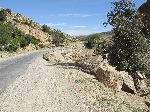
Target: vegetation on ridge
11,38
58,37
97,41
3,14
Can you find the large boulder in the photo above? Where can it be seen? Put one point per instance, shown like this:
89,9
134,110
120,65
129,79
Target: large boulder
77,54
114,79
108,75
89,64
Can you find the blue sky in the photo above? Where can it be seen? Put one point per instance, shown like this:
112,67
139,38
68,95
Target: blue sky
75,17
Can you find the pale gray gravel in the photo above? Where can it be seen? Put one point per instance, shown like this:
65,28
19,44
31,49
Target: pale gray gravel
45,87
13,67
42,88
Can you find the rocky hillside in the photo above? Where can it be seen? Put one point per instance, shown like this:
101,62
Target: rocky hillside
100,35
29,27
26,25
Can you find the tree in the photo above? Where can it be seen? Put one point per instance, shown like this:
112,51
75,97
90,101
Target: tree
45,28
3,15
58,38
91,41
131,48
8,11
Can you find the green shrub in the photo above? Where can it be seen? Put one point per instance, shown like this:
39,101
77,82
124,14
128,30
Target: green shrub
45,28
24,42
58,38
3,15
131,47
104,46
89,44
96,40
11,38
41,46
8,11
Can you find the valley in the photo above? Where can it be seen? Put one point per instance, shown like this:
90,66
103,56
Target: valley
60,59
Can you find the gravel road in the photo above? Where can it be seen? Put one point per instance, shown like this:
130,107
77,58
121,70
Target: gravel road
11,68
40,86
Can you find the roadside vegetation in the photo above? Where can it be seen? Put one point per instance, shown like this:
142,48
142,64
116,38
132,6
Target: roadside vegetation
128,47
131,47
3,14
97,41
59,38
11,38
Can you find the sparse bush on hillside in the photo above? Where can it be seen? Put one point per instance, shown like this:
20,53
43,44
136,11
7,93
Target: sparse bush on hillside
92,41
41,46
3,14
97,41
58,37
104,46
11,38
131,48
45,28
8,10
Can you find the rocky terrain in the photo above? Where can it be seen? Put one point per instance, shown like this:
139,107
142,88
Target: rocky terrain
26,35
28,26
70,78
119,82
60,86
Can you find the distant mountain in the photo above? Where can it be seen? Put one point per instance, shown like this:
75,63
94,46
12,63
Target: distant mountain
102,34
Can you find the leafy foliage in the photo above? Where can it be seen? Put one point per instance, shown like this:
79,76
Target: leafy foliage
41,46
131,47
45,28
11,38
92,41
3,14
104,46
58,37
97,41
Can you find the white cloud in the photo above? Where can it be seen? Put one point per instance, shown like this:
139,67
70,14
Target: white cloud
79,32
72,15
75,15
80,26
55,24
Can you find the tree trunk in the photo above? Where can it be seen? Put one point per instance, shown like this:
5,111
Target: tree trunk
136,80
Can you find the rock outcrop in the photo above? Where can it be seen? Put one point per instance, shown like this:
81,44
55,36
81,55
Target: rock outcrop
108,75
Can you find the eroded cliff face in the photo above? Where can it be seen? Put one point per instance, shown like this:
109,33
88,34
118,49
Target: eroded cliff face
28,26
145,9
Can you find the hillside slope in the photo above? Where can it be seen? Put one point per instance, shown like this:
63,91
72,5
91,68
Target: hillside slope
30,27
